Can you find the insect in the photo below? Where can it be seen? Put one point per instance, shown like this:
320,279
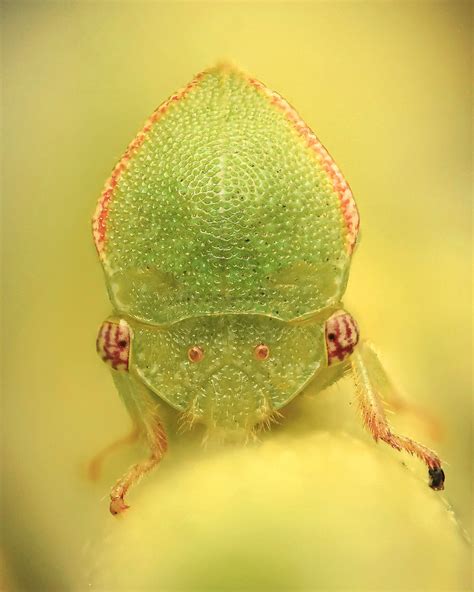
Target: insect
226,233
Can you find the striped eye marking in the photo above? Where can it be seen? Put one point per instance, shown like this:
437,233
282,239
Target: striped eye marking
342,335
113,344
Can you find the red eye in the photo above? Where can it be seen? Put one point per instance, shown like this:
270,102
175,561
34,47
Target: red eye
113,344
262,352
195,354
342,335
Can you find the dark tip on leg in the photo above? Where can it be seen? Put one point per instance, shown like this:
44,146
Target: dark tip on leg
436,478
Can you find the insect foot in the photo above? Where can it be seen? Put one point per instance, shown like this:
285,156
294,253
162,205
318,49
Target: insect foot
436,478
117,505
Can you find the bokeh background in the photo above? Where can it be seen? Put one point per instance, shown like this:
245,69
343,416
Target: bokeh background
317,506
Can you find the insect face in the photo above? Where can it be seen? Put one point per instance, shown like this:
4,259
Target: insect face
227,370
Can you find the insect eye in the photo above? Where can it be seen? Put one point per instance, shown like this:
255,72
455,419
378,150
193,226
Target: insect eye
262,352
342,335
113,344
195,354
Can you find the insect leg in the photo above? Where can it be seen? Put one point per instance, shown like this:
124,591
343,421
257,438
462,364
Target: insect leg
95,464
143,407
391,395
368,376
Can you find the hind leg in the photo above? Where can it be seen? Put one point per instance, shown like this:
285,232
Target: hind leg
370,378
95,464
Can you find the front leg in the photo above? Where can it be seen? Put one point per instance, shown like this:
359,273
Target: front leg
113,346
143,407
369,374
391,395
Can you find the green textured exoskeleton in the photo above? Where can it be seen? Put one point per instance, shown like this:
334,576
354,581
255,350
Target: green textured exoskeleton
226,233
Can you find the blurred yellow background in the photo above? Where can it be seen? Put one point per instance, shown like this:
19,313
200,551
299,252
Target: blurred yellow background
386,87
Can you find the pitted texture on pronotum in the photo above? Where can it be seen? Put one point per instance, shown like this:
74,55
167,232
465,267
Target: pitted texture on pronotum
229,386
225,204
226,232
342,335
113,344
